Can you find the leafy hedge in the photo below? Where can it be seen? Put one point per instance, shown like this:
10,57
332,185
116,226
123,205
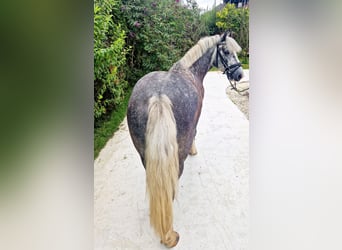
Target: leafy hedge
109,58
209,20
235,20
159,33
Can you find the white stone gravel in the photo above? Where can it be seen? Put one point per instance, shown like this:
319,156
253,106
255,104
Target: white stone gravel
211,210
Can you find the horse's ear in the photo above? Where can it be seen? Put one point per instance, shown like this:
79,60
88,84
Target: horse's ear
223,36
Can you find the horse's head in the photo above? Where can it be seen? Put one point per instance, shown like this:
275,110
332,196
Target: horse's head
227,59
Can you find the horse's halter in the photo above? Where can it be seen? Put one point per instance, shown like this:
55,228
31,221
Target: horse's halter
228,69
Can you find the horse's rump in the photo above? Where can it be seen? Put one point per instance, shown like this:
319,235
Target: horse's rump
186,104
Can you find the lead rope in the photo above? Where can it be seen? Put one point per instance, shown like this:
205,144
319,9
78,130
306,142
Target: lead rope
239,91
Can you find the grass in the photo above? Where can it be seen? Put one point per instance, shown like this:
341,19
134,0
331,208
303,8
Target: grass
213,69
245,65
106,128
244,62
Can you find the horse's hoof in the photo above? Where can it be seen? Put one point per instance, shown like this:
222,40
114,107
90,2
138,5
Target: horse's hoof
172,239
193,151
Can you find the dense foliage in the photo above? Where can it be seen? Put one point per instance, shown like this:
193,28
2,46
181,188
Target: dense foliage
209,20
235,20
109,58
159,33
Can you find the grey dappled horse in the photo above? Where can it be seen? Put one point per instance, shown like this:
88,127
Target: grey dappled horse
162,116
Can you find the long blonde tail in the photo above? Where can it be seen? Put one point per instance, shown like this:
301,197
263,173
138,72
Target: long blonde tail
162,166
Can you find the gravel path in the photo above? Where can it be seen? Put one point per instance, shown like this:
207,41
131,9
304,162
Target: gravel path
211,210
241,100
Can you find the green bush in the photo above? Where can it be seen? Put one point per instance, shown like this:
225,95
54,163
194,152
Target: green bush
109,58
159,33
235,20
209,20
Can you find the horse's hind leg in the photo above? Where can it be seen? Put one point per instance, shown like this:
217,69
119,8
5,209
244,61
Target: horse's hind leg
193,150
